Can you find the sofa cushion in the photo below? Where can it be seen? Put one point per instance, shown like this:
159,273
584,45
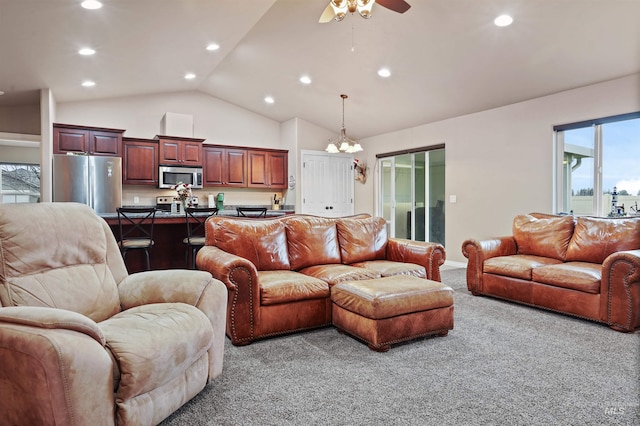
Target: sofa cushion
289,286
545,237
262,242
516,266
335,274
362,239
581,276
311,241
389,268
596,238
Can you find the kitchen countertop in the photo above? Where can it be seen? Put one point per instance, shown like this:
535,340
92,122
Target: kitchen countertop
162,214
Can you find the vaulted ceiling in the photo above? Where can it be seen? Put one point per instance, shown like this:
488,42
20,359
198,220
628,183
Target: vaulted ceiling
446,57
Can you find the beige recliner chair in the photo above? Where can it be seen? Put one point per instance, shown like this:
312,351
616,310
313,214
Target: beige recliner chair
82,342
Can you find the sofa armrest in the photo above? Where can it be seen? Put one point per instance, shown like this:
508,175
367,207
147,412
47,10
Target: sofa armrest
195,288
479,251
428,254
240,276
620,290
55,368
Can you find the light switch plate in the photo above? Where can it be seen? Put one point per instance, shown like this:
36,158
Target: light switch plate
453,198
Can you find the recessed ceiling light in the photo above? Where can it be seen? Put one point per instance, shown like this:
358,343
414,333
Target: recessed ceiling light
88,83
384,72
213,46
91,4
503,20
190,76
1,93
305,79
86,51
269,99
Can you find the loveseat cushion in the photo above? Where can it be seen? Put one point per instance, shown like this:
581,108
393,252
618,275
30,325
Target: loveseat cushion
581,276
596,238
312,240
153,344
362,239
262,242
289,286
517,265
545,237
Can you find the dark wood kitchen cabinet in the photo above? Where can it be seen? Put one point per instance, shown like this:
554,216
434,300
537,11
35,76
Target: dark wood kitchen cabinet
267,169
179,151
86,140
139,161
224,166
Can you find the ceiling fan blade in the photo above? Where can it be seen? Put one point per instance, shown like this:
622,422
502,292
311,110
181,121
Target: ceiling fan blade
327,15
399,6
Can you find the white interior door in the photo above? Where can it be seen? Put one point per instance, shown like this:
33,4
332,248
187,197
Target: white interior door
327,184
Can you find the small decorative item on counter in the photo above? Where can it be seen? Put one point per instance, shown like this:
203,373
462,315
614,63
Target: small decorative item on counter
184,194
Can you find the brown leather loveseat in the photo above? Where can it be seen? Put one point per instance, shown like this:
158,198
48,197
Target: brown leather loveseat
583,266
279,272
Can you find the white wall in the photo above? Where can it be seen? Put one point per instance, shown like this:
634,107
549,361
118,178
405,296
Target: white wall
499,163
216,121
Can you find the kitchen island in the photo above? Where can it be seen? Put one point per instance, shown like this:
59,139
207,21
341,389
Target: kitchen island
168,251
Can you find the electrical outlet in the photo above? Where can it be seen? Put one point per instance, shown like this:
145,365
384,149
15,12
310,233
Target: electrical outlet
453,198
136,200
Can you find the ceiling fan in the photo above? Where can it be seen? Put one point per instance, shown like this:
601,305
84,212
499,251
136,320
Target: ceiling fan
337,9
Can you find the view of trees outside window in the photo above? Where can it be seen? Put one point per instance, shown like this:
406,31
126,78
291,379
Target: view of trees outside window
614,148
20,183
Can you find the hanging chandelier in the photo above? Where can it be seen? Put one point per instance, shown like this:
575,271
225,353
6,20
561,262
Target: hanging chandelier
343,143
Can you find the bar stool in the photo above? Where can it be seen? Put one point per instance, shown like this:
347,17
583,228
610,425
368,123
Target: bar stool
252,211
196,218
136,230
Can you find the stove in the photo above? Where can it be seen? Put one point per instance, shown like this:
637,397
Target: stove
164,203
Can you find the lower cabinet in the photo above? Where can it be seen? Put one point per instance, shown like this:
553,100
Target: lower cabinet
139,161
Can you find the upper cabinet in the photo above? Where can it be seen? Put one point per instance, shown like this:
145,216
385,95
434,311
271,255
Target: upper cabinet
267,169
139,161
179,151
86,140
225,166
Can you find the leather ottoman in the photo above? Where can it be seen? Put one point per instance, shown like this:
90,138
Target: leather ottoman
394,309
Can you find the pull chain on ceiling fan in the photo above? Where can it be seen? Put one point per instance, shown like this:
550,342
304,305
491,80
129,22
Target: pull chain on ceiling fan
337,9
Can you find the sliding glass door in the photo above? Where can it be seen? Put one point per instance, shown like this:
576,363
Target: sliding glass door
412,189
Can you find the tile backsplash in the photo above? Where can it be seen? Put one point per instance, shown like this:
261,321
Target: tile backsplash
232,196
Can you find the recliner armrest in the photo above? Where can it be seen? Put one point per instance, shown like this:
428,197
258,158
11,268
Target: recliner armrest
52,318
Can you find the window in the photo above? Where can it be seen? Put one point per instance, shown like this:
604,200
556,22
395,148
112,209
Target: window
598,171
20,183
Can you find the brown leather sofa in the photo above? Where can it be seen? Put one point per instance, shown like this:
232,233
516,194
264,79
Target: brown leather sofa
582,266
279,272
82,342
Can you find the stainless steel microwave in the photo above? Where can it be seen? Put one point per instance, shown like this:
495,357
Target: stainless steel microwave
170,176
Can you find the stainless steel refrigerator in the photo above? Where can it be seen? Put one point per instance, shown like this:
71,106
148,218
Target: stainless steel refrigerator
92,180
